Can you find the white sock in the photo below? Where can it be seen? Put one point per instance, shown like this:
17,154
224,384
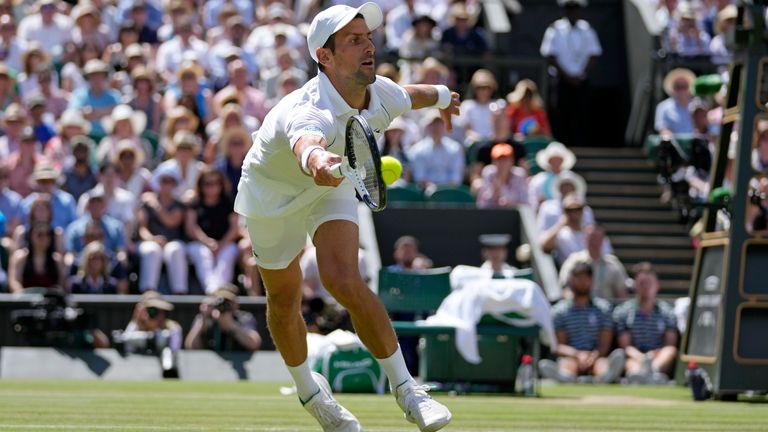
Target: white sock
395,368
306,387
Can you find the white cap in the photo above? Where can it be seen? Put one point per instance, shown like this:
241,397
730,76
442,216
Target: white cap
335,18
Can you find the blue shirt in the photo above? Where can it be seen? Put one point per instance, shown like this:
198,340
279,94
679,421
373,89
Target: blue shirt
44,132
84,98
582,324
114,238
10,203
63,204
670,115
647,329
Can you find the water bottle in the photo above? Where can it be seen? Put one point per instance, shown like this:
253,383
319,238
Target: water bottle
698,381
525,376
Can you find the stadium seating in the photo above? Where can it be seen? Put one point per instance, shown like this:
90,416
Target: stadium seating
451,195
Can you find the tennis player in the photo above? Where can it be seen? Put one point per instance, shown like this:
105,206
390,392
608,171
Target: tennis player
287,190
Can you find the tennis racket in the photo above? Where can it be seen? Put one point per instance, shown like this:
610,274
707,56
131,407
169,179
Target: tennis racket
361,164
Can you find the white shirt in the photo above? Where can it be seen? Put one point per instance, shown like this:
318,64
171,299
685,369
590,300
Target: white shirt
569,241
170,54
272,183
31,28
188,178
572,46
121,205
477,117
550,212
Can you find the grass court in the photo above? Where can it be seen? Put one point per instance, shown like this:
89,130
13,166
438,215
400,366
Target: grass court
243,406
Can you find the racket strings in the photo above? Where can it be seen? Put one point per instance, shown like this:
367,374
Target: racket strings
363,162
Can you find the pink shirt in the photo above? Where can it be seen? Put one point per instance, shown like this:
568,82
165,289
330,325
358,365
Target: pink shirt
513,192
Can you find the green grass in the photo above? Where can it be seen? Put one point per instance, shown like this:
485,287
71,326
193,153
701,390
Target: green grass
195,406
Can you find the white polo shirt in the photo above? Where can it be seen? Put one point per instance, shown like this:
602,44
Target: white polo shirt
272,183
572,46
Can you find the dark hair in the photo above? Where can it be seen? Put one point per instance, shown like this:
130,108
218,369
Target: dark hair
643,267
105,165
223,181
582,267
51,268
331,45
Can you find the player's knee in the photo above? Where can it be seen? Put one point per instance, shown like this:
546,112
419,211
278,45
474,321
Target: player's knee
282,301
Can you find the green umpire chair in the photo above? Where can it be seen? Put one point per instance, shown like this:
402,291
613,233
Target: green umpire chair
500,345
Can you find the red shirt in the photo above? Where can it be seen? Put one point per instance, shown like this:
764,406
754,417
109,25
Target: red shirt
528,123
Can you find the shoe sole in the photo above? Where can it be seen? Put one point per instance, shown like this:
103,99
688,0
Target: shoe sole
434,427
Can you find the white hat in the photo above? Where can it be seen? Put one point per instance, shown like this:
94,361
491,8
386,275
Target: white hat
164,170
571,177
125,112
556,149
333,19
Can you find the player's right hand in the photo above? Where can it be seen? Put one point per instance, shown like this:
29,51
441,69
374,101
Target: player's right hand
320,163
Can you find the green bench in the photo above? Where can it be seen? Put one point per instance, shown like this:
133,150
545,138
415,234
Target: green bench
500,345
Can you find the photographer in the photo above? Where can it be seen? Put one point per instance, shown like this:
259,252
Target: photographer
221,326
757,210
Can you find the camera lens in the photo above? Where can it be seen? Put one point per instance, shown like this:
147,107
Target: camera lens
152,312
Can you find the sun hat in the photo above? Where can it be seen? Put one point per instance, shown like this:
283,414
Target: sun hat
161,172
124,112
676,74
579,185
95,66
556,149
129,146
73,117
333,19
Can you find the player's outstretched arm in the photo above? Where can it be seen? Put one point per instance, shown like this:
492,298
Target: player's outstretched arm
426,96
315,161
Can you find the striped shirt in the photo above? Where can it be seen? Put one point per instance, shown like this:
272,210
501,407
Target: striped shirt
582,324
647,329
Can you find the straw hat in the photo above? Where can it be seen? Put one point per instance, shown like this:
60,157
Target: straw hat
95,66
523,86
184,139
227,291
579,185
141,72
124,112
233,133
483,78
725,14
83,9
181,112
676,74
134,50
189,67
44,171
73,117
157,303
14,112
556,149
128,146
431,64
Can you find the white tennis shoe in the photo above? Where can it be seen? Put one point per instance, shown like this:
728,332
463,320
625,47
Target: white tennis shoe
328,412
419,408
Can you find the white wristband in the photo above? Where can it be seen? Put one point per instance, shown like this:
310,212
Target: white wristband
305,157
443,97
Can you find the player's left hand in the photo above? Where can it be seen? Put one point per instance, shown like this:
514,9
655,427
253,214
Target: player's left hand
452,109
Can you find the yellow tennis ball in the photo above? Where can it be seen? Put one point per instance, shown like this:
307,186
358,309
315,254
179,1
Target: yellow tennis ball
391,169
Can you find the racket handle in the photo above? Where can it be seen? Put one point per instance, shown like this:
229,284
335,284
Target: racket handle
336,170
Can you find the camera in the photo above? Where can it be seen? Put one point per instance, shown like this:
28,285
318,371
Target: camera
756,197
222,304
150,343
52,321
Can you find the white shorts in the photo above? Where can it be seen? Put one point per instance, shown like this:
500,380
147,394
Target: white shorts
277,241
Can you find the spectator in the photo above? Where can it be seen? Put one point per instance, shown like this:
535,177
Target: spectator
63,204
757,207
567,236
161,231
11,47
151,331
97,101
40,211
88,26
230,117
398,21
418,41
222,326
22,163
140,16
75,57
9,93
554,160
278,30
189,92
437,160
432,72
58,150
212,229
33,58
131,174
525,111
687,39
495,254
287,82
230,48
46,26
13,122
571,47
286,62
38,119
184,152
179,118
550,211
80,178
502,184
213,9
254,101
93,276
171,54
121,204
479,115
609,279
123,124
760,152
10,201
672,116
233,148
584,332
405,254
56,99
36,265
463,37
726,20
647,330
116,55
146,98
